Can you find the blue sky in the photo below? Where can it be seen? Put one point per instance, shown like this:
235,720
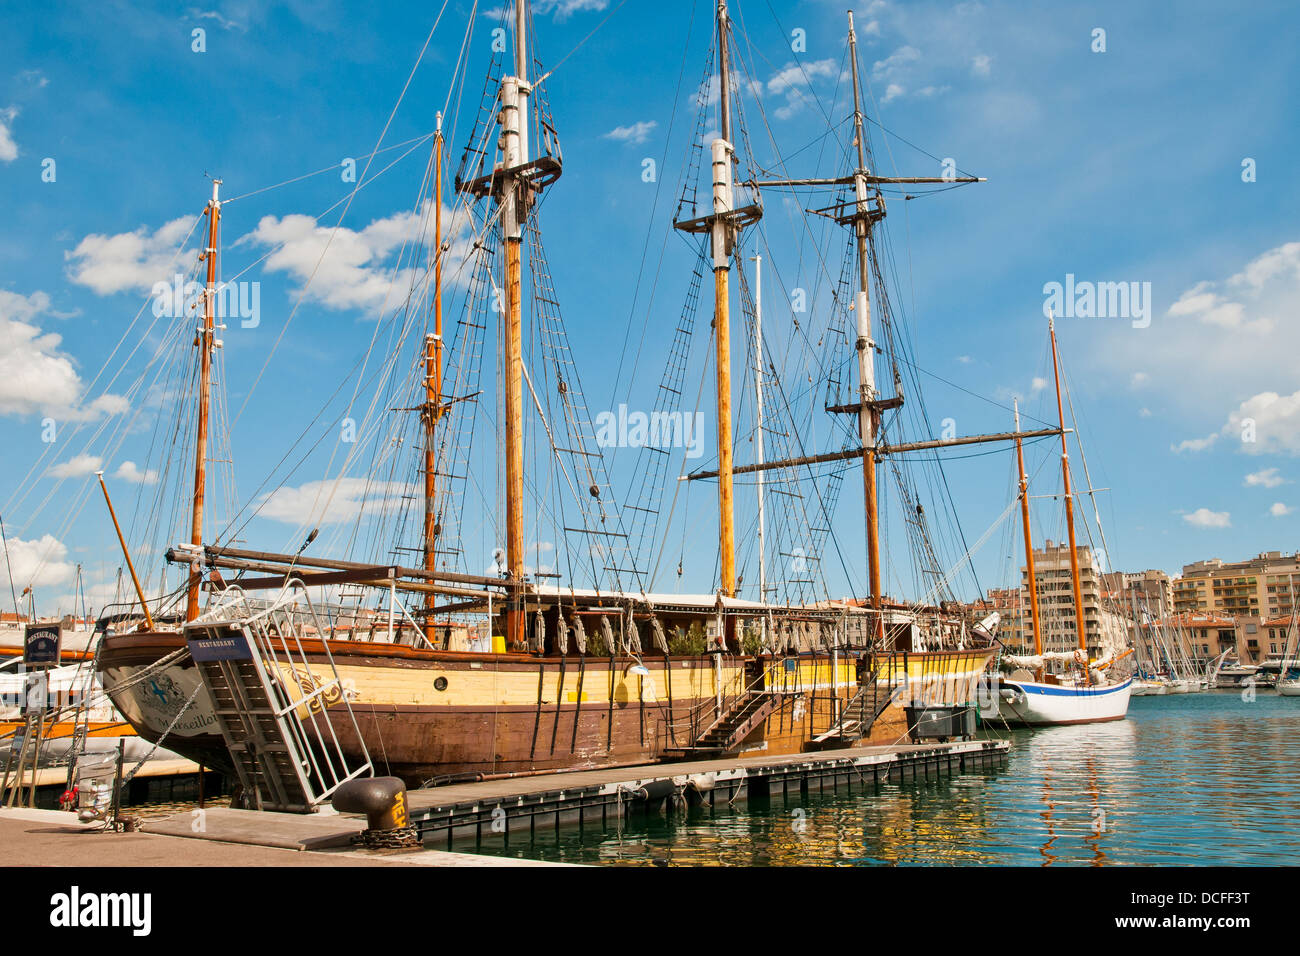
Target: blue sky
1117,166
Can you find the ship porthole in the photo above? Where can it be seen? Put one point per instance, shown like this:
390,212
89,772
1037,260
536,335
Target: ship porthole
440,683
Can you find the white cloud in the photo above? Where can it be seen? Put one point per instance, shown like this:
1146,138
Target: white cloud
36,376
1272,419
356,271
332,502
1209,307
1237,331
794,81
981,64
1139,379
894,72
895,65
563,9
1038,384
221,21
1205,518
636,133
964,359
8,148
128,471
76,466
1144,413
129,260
1279,510
1268,478
1282,262
39,563
1264,424
1195,444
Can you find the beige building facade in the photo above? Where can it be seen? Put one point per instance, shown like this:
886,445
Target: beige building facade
1262,587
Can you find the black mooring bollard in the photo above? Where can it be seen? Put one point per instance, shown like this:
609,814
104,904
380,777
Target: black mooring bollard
383,801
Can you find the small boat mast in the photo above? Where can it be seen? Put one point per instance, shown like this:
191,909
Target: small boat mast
1029,539
1079,625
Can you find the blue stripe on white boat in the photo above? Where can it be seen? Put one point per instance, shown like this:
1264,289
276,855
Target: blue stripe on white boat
1052,691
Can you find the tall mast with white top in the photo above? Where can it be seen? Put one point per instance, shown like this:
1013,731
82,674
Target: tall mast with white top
722,226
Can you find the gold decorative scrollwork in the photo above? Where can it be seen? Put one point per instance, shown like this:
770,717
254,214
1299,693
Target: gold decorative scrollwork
308,683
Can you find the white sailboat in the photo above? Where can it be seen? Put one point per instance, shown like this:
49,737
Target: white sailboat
1148,688
1288,682
1083,695
1146,679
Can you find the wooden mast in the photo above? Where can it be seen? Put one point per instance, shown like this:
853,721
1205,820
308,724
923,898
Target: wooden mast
1079,624
758,436
511,189
433,387
1029,537
723,236
722,225
205,342
868,416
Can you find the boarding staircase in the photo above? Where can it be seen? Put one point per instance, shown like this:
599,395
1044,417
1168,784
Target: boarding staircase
860,713
725,734
273,710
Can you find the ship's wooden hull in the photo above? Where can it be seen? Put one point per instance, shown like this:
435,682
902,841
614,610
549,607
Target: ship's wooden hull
426,714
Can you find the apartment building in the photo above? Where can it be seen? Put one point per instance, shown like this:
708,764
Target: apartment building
1261,587
1104,629
1149,590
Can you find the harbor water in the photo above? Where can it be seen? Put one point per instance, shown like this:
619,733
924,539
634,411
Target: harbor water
1187,780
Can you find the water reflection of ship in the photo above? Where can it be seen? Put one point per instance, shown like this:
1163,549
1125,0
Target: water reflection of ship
1096,824
1069,760
871,825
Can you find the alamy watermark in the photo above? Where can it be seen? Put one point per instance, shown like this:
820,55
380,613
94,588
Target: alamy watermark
624,429
234,300
76,908
1099,300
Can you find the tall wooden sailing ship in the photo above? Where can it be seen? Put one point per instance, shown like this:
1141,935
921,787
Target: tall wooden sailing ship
567,675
